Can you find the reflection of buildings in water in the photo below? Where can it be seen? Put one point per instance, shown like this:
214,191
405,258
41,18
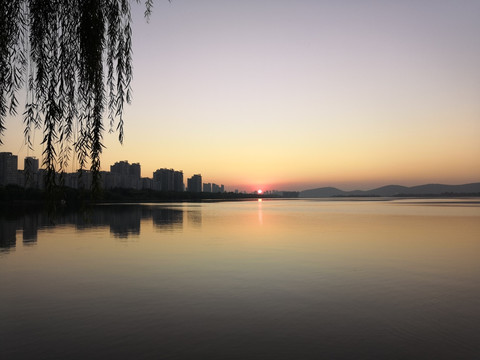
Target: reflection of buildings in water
125,221
93,217
89,218
194,218
30,229
122,220
146,212
167,218
8,234
29,223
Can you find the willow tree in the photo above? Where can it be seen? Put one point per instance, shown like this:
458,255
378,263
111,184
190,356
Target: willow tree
74,59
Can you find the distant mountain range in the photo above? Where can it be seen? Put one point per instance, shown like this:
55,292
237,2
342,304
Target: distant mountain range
396,190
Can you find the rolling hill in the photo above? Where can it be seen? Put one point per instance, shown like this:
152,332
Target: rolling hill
397,190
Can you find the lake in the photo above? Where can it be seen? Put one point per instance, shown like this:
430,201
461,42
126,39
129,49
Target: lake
270,279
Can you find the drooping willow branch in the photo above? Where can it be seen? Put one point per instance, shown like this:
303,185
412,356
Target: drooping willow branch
59,51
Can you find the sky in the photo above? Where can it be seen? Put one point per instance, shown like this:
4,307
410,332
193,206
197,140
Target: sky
292,95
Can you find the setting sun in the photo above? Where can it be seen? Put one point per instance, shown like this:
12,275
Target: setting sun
259,191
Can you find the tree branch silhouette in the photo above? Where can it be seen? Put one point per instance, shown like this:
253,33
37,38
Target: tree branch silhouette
59,51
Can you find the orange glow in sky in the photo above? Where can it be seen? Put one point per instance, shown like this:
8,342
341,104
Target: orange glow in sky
298,95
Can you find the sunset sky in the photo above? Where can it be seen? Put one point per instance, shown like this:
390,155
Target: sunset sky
292,95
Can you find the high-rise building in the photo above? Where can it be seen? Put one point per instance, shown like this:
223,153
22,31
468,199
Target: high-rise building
124,168
178,181
30,172
30,164
8,168
120,168
215,188
166,178
207,188
123,175
195,183
135,170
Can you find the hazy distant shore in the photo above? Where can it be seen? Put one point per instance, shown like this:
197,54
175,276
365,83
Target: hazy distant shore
16,196
427,190
20,199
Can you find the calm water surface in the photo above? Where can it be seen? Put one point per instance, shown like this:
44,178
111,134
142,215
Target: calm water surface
296,279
